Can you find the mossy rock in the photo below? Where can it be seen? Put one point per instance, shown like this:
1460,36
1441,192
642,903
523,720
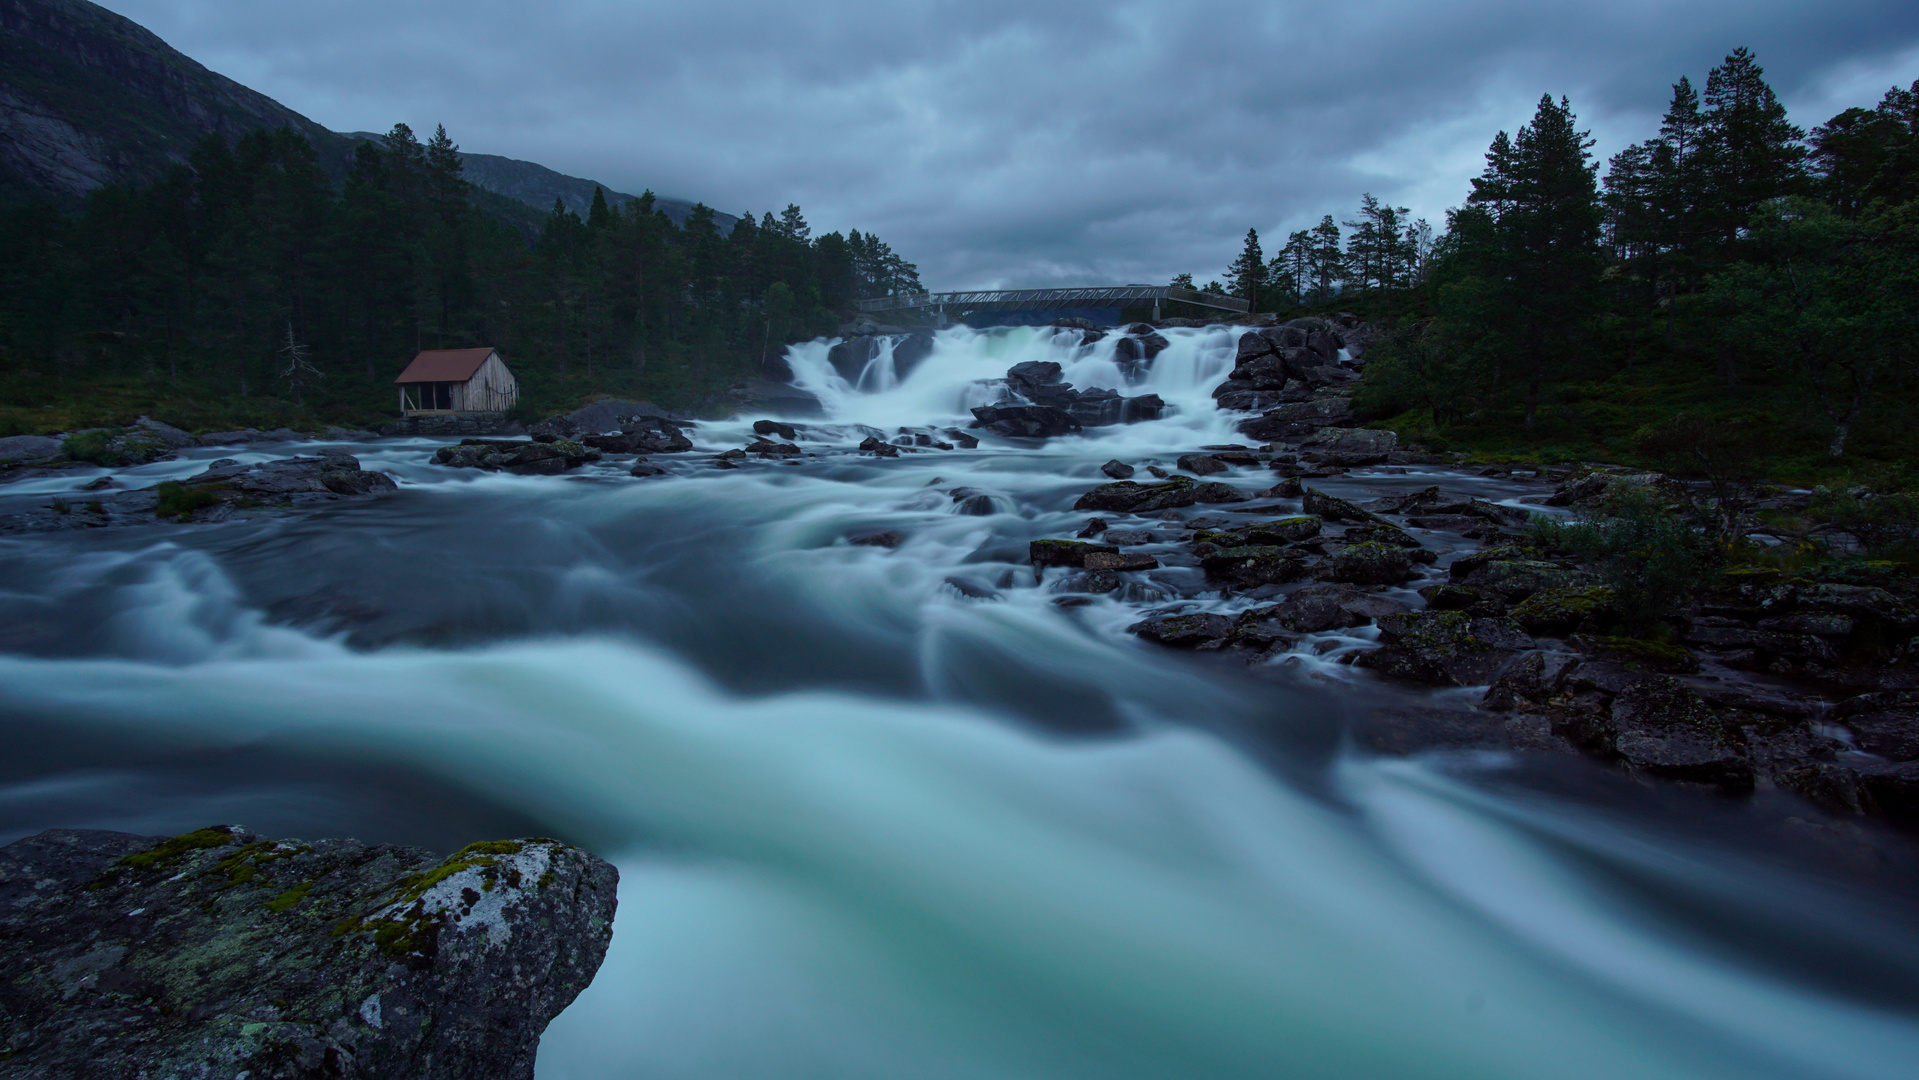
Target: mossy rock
1371,563
1066,552
1561,611
1639,653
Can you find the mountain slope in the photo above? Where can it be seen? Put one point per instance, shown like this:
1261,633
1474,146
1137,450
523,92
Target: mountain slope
89,98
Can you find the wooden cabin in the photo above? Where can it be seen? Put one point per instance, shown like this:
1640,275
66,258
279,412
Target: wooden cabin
457,381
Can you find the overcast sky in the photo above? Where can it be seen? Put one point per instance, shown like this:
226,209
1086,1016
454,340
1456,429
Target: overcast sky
1014,143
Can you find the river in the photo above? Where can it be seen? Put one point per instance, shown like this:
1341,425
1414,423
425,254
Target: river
871,823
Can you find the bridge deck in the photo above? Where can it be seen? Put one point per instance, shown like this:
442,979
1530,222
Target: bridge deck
1120,296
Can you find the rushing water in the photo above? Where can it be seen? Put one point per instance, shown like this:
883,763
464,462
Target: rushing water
871,823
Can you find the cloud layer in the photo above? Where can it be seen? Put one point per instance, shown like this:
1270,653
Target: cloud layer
1023,144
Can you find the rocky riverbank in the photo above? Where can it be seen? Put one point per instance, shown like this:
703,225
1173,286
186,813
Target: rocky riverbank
221,953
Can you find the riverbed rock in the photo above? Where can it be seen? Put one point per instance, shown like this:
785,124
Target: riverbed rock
1371,564
1562,610
1117,469
1215,492
524,457
1066,552
1131,497
220,953
1201,464
1184,631
1025,421
1885,723
1119,561
1663,727
1251,566
640,435
145,440
1332,508
604,417
1445,648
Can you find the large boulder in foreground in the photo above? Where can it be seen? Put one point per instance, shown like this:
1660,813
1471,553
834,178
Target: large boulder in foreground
219,954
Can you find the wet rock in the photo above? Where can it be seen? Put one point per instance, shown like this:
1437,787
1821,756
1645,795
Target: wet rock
1371,564
1636,654
145,440
1131,497
1065,552
643,469
1289,488
1663,727
976,506
1117,469
768,449
1885,723
608,416
886,538
1038,381
1025,421
1331,508
879,447
1101,560
1094,527
637,435
221,953
1093,581
1251,566
1277,532
1215,492
1353,446
1445,648
1319,608
972,590
774,427
1201,464
1390,535
1516,579
1530,684
1184,631
525,457
1300,418
1556,612
962,439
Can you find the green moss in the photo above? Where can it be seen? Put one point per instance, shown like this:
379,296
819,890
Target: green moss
491,847
290,899
1655,655
168,852
1562,610
180,501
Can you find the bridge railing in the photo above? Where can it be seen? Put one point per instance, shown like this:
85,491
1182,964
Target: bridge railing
1033,299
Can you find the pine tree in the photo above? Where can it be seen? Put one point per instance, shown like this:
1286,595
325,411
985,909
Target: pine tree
1184,281
1753,152
1328,266
1248,272
793,226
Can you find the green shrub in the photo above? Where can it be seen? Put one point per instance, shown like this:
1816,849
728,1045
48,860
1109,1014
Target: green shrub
91,446
180,501
1652,557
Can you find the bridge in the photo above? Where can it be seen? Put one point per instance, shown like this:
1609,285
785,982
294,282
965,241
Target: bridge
958,305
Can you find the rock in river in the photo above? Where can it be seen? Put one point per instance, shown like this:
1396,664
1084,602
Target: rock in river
220,953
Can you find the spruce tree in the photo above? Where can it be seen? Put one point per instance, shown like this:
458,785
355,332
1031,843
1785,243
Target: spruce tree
1248,272
1535,233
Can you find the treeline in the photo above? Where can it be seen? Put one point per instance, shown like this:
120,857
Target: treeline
211,283
1758,278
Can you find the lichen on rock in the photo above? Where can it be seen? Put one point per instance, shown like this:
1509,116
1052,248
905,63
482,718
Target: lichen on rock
221,953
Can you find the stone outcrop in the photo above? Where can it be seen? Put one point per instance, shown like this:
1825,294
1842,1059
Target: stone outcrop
222,953
525,457
225,489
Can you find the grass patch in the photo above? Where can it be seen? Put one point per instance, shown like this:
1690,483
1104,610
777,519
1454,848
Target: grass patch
179,501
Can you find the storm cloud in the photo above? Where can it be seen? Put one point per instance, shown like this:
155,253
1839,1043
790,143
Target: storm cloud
1010,143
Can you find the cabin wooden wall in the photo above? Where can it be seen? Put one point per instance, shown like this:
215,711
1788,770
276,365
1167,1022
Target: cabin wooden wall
491,389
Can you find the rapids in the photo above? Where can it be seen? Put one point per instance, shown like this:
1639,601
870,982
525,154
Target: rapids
874,824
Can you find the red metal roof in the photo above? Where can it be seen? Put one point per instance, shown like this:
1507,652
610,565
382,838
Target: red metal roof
444,365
